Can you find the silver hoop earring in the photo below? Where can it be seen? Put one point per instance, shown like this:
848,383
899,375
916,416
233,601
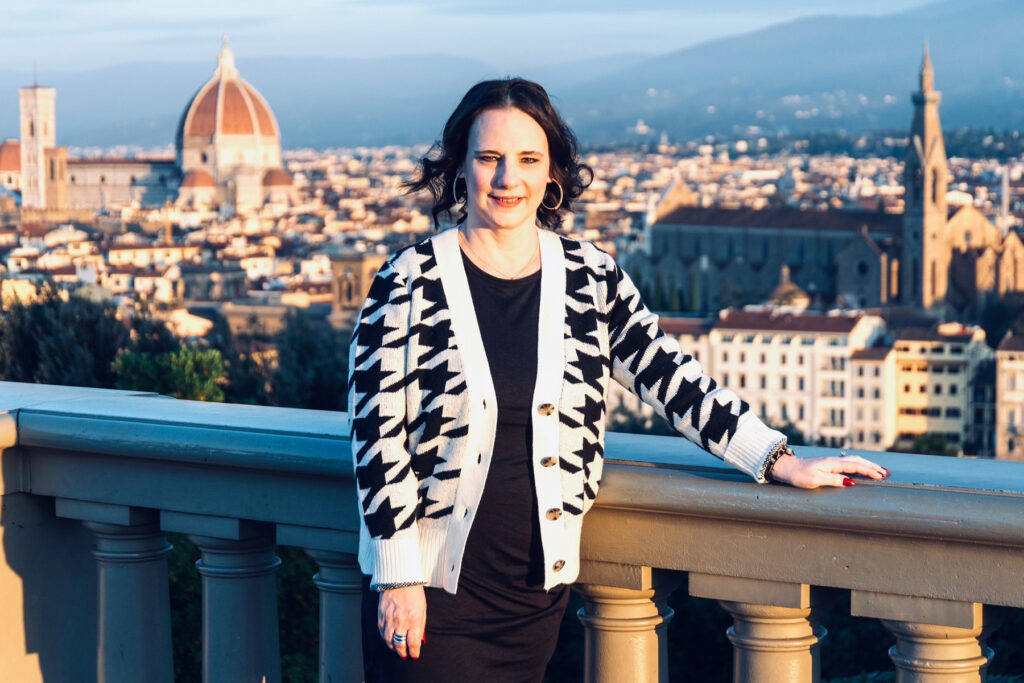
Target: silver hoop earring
560,197
455,191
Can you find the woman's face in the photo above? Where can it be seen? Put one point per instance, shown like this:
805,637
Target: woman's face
507,170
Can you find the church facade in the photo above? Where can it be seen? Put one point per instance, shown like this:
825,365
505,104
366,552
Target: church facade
946,263
227,154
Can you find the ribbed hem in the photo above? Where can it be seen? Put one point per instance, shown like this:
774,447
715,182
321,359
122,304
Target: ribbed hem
751,446
395,561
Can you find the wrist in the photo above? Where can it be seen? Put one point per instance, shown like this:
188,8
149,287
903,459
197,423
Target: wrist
778,462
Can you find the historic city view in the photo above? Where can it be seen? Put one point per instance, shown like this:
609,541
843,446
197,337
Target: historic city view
834,233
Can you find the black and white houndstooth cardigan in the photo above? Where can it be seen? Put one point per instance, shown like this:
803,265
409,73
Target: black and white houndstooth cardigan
424,412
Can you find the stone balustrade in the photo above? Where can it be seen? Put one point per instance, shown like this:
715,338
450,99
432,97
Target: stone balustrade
92,480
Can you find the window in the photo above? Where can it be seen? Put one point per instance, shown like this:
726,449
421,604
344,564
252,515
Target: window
860,370
807,341
953,389
800,411
924,389
938,369
877,393
878,371
800,359
782,359
764,411
860,392
725,380
725,356
953,370
749,339
860,437
956,350
766,339
800,383
860,417
938,389
743,357
876,437
696,355
764,359
906,388
952,412
782,383
743,381
786,340
874,415
784,412
764,382
727,338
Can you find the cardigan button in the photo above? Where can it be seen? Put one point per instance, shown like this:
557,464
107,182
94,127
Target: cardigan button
545,409
549,461
557,566
553,514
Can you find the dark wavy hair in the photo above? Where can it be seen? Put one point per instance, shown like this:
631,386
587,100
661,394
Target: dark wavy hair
438,170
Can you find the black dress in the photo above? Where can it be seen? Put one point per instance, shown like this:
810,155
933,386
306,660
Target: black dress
501,625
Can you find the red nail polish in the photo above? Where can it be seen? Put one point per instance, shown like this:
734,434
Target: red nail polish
847,481
424,637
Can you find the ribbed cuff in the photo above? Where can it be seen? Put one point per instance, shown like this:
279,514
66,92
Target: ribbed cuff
396,561
752,446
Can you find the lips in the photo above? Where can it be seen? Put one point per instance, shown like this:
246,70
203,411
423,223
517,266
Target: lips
506,202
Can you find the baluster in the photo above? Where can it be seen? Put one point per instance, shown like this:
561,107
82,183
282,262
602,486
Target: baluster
775,635
937,641
134,615
626,618
340,583
240,638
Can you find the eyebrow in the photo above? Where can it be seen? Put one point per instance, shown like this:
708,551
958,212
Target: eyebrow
494,151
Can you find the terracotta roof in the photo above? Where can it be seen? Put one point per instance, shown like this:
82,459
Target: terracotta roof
1011,343
34,229
277,177
787,322
118,161
10,155
198,178
874,353
684,325
784,217
925,334
227,105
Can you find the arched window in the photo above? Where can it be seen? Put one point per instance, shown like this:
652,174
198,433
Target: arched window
31,129
935,186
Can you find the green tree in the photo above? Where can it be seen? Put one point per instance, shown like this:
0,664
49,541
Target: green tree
312,365
52,341
189,373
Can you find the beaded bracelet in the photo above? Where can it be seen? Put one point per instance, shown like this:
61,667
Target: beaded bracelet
780,450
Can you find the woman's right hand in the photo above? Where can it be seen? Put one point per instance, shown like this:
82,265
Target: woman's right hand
403,611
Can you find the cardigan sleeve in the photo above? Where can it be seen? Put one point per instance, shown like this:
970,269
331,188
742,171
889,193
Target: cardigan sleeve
385,481
650,363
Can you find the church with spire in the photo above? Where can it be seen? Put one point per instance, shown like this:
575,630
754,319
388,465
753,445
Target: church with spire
929,258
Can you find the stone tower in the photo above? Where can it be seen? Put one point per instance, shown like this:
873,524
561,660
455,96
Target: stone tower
924,265
38,134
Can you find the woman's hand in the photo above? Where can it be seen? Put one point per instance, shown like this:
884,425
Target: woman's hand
403,612
810,473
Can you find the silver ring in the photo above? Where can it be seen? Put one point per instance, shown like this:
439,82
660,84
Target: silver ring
397,639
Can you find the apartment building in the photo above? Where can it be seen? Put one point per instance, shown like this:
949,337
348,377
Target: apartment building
873,402
933,373
1010,398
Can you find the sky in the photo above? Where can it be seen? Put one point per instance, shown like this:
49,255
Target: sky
70,35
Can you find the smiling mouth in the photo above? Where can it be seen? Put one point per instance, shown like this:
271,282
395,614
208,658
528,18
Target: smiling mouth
506,202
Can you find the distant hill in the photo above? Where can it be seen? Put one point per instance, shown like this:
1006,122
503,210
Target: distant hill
819,73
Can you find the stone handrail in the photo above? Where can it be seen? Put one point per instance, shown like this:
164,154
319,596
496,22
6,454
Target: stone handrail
96,477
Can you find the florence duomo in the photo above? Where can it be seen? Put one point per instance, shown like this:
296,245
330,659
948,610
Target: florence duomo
946,262
227,155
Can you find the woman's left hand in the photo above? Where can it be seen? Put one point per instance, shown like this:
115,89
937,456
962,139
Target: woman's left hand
810,473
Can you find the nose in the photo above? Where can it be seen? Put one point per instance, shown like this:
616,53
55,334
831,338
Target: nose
505,175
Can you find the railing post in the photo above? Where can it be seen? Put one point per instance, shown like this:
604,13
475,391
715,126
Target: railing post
240,639
937,641
134,625
340,583
626,616
775,636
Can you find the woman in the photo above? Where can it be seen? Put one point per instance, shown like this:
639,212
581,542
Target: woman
479,367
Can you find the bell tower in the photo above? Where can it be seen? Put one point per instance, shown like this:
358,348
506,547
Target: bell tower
924,264
38,134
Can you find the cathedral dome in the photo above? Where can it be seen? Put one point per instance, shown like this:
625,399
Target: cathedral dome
228,127
10,156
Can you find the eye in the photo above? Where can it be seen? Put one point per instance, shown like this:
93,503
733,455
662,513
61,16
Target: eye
488,158
530,160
